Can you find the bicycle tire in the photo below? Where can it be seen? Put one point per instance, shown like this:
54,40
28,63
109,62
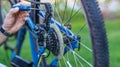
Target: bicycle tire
97,32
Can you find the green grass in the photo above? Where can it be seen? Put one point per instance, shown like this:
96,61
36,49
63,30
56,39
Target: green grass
25,53
113,33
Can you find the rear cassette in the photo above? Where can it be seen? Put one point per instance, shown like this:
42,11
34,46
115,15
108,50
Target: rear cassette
54,41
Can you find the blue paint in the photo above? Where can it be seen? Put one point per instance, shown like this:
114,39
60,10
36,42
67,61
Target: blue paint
54,63
34,52
19,43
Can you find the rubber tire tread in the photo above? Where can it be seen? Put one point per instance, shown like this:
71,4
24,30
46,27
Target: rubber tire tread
97,32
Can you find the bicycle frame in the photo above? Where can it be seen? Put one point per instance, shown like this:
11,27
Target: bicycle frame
36,55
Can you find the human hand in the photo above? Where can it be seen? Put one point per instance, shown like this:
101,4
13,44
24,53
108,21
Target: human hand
15,19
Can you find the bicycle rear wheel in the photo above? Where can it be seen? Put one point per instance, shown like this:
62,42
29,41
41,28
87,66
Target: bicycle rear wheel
86,20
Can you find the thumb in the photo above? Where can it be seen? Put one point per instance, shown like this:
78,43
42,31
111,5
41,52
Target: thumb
14,10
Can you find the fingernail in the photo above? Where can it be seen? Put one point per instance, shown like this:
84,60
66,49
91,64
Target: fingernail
16,8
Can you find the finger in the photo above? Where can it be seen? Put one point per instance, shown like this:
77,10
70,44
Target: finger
23,14
19,23
25,3
26,14
25,19
13,10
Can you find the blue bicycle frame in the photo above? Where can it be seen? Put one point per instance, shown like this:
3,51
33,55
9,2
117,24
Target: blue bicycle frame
36,54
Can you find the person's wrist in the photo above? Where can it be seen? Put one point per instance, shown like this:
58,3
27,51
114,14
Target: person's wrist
5,28
5,31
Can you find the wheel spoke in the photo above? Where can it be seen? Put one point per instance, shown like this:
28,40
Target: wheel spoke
58,14
60,19
69,64
59,63
83,59
73,16
65,61
75,60
79,62
81,28
73,56
74,53
72,8
68,57
86,47
65,10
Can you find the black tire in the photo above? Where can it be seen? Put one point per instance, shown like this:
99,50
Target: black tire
97,31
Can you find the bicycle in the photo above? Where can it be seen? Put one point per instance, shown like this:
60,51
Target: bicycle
49,34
